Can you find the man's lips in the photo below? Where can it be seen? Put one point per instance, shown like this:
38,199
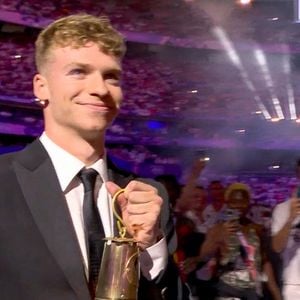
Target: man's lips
96,106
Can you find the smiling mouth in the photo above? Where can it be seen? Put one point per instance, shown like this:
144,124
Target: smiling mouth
97,107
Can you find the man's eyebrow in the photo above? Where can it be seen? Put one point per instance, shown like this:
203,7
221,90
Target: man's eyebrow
117,71
77,64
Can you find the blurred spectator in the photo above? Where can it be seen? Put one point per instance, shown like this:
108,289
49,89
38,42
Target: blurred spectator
242,260
216,203
193,198
193,255
260,213
200,244
195,213
286,241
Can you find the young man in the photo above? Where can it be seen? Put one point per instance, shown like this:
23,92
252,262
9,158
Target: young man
44,251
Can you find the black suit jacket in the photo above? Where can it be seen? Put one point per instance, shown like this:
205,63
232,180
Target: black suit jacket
40,258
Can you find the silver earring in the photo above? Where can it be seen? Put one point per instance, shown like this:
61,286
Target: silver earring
41,102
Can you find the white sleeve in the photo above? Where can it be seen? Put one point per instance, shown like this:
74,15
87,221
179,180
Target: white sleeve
280,216
154,259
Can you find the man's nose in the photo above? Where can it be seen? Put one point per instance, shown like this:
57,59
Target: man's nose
98,86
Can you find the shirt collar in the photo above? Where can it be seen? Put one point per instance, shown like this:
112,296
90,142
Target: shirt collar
66,165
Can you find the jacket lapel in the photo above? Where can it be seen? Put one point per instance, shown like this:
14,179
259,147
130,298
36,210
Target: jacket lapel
43,195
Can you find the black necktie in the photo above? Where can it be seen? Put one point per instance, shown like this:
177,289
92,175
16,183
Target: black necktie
94,232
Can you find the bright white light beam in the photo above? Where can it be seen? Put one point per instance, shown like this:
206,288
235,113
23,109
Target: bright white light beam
262,62
234,57
289,88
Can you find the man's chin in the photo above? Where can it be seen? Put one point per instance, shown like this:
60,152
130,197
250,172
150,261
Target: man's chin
94,133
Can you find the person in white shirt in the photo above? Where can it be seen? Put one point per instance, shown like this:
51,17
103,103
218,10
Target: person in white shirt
286,241
213,210
44,253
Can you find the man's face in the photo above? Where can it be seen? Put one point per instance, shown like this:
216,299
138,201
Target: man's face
199,199
216,191
83,90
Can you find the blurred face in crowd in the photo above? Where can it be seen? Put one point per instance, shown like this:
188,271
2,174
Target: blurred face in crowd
199,199
240,200
82,89
216,192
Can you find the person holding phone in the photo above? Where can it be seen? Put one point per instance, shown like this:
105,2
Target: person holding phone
241,257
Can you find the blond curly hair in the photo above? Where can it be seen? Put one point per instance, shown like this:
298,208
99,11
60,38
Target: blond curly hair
76,31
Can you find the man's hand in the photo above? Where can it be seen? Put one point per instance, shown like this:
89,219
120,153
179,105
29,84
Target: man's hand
140,206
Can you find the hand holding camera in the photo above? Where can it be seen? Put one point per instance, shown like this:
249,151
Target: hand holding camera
230,222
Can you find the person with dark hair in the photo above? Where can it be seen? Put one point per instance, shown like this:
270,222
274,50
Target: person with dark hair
56,194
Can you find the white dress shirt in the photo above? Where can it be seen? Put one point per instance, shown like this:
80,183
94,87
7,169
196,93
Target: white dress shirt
291,254
152,260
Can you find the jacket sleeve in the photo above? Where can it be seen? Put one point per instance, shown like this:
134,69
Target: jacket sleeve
168,285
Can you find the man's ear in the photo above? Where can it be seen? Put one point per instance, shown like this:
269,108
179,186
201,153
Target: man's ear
40,87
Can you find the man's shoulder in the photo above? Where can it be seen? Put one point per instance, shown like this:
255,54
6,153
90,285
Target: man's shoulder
281,207
281,212
6,159
279,216
7,171
30,152
125,176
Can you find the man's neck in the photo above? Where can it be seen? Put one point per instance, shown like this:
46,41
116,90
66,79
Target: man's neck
88,151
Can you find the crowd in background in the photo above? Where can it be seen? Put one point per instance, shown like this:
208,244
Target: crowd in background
134,15
224,239
131,15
